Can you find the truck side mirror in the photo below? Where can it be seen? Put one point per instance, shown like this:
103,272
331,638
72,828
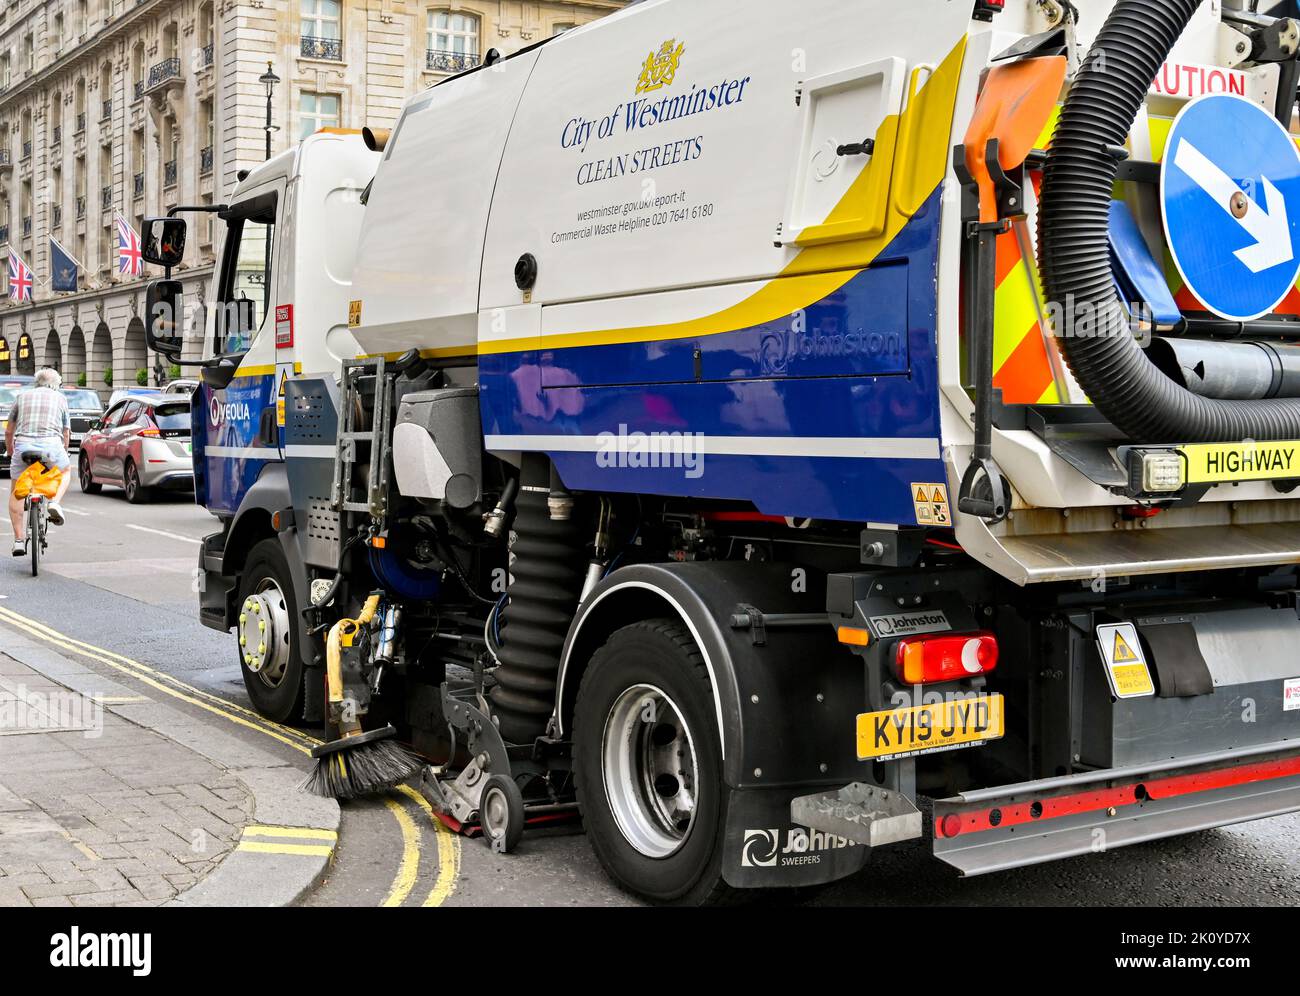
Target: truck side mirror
164,241
162,309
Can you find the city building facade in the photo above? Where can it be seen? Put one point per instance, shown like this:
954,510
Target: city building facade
131,107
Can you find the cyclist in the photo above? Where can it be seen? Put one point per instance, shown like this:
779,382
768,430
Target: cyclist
39,426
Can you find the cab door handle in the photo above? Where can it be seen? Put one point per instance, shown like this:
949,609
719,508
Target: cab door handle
864,148
268,427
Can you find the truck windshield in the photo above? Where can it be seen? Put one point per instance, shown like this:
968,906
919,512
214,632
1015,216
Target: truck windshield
247,275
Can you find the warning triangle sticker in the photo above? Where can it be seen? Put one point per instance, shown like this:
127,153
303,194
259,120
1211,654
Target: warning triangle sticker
938,496
284,375
1123,653
921,496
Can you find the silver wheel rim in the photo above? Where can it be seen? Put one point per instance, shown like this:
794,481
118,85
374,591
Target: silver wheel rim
650,771
264,633
496,812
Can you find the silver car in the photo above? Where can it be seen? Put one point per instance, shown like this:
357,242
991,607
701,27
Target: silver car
142,444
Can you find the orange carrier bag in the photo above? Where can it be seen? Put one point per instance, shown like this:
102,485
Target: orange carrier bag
39,479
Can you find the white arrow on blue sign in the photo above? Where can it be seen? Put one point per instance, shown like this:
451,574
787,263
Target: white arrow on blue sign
1230,189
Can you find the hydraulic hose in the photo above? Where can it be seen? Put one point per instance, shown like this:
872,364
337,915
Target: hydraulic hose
1110,366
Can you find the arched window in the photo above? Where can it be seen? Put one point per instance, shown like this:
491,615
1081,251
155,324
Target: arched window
26,355
320,18
137,70
105,90
321,29
452,41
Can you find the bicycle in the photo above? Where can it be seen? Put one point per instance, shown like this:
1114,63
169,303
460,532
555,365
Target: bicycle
38,520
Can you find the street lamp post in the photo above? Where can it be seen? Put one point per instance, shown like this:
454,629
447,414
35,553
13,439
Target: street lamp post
269,80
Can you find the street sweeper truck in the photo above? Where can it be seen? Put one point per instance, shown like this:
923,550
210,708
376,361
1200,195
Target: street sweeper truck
769,432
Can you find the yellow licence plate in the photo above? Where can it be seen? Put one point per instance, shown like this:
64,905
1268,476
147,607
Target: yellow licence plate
1214,463
946,725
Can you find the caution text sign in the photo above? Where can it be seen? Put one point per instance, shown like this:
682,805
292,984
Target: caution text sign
1125,663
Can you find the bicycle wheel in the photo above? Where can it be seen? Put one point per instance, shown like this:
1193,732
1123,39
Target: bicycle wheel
34,534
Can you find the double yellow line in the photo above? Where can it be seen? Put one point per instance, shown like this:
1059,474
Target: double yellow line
408,868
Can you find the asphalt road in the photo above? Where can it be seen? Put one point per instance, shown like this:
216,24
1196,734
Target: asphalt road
121,577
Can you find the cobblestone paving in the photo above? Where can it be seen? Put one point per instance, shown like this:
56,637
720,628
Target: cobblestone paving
111,816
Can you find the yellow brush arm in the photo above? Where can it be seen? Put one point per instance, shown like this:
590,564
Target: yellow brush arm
334,646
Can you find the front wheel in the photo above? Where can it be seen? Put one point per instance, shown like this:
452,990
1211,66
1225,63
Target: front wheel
269,655
648,765
85,478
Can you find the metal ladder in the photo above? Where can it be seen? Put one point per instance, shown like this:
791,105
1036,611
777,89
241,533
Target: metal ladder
355,372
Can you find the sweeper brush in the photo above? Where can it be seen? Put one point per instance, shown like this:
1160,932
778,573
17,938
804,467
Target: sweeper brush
361,765
359,762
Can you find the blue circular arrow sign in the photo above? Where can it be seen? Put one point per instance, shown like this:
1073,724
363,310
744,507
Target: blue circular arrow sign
1230,189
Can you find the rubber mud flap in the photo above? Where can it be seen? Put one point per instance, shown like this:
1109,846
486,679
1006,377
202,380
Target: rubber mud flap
762,849
1181,671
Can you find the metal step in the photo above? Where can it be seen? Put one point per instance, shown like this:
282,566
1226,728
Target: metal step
866,814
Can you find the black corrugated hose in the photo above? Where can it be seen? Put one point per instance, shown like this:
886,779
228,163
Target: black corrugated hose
1073,214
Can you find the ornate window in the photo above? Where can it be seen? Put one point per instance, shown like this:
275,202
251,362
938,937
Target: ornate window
321,34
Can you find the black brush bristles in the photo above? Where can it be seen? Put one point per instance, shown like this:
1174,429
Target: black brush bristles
362,770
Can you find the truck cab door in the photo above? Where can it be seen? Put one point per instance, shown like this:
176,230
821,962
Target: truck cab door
229,448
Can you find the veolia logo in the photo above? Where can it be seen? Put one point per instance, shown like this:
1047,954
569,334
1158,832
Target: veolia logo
233,411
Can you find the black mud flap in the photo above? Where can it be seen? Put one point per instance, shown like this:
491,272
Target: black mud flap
1032,822
763,849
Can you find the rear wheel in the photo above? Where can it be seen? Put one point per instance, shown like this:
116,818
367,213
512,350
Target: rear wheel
136,493
648,765
269,656
85,478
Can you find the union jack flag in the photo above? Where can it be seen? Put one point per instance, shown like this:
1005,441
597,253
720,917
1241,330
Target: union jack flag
20,279
129,260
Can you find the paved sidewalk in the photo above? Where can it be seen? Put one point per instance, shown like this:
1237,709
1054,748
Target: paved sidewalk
98,811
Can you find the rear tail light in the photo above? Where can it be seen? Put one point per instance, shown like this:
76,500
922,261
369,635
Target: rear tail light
927,660
151,431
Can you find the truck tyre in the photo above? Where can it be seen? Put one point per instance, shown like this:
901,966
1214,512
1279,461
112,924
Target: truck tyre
648,767
269,656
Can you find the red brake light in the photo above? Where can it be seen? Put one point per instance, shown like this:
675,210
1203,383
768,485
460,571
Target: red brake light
927,660
151,431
